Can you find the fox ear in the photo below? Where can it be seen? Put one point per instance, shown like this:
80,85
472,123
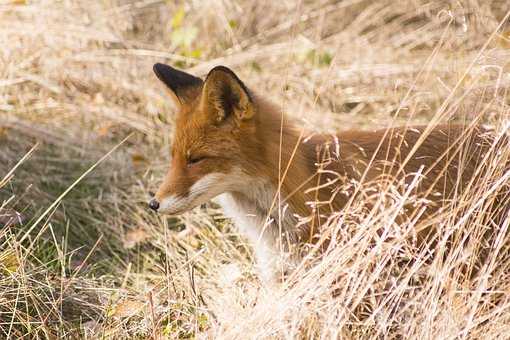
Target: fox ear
183,86
224,94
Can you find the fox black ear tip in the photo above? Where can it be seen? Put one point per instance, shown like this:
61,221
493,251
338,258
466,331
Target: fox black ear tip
221,68
158,68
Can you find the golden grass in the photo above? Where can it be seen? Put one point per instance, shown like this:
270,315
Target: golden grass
75,80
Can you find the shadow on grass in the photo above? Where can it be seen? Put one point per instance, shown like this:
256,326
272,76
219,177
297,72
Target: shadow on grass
62,273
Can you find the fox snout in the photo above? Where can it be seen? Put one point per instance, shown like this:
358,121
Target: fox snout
167,201
171,205
173,201
175,197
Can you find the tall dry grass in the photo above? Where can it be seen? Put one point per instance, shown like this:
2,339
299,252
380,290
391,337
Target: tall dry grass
75,81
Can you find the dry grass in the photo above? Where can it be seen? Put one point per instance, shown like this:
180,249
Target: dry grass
75,80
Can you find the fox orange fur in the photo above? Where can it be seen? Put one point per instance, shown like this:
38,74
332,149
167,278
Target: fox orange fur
274,180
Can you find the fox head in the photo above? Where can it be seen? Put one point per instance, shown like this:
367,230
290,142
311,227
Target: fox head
214,131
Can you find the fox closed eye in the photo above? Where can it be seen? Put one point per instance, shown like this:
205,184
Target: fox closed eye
195,160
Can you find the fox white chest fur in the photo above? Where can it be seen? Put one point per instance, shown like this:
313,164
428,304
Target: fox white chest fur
249,208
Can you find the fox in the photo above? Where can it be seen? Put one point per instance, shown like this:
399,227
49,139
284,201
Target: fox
277,181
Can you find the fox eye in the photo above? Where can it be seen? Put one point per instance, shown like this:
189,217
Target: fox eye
195,160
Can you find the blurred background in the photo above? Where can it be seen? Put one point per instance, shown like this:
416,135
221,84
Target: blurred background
76,79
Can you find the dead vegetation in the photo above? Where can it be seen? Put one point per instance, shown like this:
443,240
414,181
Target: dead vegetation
75,81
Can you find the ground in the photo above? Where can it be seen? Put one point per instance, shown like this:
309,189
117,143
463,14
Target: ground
82,256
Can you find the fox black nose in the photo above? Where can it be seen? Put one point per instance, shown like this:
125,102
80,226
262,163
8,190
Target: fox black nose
154,204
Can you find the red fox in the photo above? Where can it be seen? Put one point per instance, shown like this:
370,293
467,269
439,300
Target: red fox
275,181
